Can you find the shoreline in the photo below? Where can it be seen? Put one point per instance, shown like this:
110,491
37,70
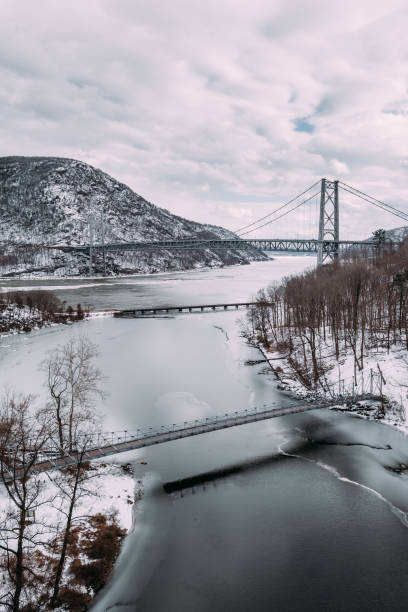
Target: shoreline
112,495
135,514
135,275
24,277
361,408
49,324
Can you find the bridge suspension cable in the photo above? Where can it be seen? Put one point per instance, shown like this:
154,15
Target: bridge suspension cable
282,215
270,217
371,200
240,229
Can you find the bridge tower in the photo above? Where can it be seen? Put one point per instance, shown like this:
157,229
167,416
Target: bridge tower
328,222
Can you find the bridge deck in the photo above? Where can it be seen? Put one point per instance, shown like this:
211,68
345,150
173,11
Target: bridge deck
292,245
169,434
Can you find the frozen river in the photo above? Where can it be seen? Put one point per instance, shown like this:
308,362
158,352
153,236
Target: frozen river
295,514
235,283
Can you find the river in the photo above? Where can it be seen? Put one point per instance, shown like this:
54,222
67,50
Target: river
295,514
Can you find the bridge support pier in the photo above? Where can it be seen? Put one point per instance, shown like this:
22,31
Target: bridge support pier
328,222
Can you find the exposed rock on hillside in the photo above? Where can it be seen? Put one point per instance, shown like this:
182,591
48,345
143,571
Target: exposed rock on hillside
49,201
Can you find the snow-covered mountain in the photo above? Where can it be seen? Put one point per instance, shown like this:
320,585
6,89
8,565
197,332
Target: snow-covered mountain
49,201
398,234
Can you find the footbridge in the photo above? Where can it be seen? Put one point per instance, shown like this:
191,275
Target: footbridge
105,444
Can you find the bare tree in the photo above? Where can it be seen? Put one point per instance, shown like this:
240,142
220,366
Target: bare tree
33,553
74,384
72,484
357,304
23,435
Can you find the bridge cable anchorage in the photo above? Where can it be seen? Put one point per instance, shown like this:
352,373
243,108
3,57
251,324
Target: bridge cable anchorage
371,200
276,210
280,216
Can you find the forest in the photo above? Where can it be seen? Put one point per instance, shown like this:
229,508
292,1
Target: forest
354,308
22,311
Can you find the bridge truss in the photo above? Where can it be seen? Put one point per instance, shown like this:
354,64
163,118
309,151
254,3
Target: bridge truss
288,245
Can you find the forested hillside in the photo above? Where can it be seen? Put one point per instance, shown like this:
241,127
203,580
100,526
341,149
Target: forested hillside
22,311
49,201
341,327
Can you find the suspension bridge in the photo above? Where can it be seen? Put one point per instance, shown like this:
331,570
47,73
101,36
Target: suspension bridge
327,244
93,446
101,445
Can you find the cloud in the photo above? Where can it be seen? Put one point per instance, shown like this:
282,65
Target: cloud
339,168
216,110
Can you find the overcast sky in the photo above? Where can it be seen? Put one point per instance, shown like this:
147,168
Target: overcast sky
218,110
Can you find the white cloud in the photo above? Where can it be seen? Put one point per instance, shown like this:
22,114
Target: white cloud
339,168
194,104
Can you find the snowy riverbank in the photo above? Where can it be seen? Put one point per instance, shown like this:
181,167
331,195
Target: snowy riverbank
385,372
103,517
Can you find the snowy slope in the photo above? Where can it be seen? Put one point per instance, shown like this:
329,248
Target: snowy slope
48,200
397,234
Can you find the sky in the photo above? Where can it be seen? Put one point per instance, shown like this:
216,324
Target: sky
218,110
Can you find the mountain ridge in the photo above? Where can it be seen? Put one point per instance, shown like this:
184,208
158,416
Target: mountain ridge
49,201
397,234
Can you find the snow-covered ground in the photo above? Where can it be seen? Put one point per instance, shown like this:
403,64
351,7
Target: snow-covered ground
53,264
110,491
384,372
14,318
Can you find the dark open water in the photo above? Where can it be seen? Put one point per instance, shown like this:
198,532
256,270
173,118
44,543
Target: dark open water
303,513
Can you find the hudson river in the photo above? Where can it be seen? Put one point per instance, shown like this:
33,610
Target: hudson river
295,514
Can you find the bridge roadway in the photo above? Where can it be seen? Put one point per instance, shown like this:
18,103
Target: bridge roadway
103,445
137,312
291,245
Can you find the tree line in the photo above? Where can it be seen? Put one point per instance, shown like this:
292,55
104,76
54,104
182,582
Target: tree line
354,304
22,310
